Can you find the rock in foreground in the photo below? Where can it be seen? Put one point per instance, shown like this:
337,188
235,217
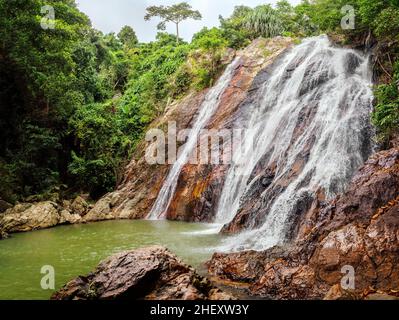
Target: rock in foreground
152,273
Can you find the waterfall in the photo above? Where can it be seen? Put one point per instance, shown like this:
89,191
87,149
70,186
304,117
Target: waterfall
206,111
312,112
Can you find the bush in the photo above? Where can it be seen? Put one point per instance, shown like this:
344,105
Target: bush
102,145
263,21
181,81
387,23
236,36
209,46
386,113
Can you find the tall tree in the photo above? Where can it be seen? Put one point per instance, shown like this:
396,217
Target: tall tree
175,14
128,37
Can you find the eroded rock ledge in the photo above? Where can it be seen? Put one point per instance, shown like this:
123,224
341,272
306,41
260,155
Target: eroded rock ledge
359,228
152,273
41,215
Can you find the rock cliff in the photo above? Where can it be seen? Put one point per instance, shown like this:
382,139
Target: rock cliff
358,229
199,186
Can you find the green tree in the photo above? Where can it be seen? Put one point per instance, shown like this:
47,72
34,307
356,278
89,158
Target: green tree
212,45
175,14
101,149
128,37
42,89
232,27
287,16
263,21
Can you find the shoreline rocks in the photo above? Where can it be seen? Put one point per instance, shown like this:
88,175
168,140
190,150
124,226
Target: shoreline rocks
26,217
152,273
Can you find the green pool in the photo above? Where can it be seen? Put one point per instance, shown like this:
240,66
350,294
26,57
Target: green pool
77,249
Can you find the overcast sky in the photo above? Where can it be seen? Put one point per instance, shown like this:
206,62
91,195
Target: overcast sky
112,15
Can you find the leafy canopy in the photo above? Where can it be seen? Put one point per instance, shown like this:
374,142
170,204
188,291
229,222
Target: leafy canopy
128,37
175,13
75,102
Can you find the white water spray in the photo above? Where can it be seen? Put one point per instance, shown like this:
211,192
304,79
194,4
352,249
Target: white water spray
207,109
332,88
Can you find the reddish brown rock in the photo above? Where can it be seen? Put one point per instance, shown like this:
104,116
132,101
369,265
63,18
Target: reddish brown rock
199,186
359,229
151,273
374,186
238,267
336,292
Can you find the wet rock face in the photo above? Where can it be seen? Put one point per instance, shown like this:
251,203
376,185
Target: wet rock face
151,273
199,186
359,229
374,186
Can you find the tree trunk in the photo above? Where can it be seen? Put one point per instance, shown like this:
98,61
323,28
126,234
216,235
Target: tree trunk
177,33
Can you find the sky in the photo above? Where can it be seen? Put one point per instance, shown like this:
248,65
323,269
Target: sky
112,15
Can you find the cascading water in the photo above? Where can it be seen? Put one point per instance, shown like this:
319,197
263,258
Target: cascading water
207,109
313,110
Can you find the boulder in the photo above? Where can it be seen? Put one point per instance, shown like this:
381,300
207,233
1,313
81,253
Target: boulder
68,218
27,217
152,273
40,215
79,206
102,210
274,273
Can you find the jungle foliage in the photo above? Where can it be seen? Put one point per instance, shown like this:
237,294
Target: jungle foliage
75,102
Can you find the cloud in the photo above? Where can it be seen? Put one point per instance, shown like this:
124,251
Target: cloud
112,15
